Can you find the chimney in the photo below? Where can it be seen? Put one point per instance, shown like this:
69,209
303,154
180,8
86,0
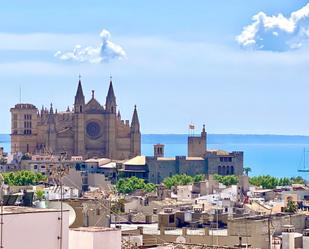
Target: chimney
288,240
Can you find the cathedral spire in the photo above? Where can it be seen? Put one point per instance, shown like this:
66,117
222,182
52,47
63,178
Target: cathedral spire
51,118
111,93
135,135
51,110
135,126
111,98
79,98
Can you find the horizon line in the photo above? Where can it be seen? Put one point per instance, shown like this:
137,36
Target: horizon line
226,134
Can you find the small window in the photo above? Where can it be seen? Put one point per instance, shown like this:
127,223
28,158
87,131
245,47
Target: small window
171,218
98,211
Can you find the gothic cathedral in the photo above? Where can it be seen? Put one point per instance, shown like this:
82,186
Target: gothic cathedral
89,130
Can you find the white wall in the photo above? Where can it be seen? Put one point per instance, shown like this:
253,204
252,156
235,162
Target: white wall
110,239
34,230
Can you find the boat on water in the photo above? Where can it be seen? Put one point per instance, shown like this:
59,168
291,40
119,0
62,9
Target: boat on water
305,169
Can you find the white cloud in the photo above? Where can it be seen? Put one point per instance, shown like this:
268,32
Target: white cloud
105,52
276,33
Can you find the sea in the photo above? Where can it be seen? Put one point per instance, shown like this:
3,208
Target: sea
276,155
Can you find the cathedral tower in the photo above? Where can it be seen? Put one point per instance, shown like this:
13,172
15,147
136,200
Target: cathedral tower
110,108
135,135
51,132
111,104
79,121
79,104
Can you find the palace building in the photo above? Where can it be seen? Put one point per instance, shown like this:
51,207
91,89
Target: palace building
89,130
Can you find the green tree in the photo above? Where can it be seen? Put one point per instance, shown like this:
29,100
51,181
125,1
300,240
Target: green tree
271,182
226,180
129,185
291,207
177,180
198,178
298,180
23,178
150,187
40,194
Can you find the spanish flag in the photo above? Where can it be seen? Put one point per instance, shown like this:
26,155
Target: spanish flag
191,126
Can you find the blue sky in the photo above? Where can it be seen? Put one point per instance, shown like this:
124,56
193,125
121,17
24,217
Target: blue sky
181,61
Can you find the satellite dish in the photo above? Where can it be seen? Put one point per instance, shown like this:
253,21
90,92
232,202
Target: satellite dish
65,206
181,240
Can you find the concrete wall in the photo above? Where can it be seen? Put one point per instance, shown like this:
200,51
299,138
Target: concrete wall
35,230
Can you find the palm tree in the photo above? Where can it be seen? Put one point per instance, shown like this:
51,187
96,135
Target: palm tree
247,170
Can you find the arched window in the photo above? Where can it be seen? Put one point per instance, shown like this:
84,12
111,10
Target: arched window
227,170
223,170
232,170
112,109
80,109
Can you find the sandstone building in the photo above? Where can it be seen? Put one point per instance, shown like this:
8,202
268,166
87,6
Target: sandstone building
199,160
89,130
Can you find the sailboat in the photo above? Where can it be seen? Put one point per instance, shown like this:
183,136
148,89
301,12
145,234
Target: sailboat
304,169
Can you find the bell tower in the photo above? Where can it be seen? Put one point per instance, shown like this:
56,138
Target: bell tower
111,104
135,135
79,121
79,103
24,128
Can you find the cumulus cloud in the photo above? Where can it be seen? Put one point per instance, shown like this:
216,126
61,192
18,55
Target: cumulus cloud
105,52
276,33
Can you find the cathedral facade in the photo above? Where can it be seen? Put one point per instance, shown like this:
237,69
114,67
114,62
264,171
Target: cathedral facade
89,130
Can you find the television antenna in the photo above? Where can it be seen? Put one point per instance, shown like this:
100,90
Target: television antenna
58,173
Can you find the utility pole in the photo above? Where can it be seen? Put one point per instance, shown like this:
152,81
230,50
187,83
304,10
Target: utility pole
269,233
57,174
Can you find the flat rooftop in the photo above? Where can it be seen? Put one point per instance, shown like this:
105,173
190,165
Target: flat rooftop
94,229
10,210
